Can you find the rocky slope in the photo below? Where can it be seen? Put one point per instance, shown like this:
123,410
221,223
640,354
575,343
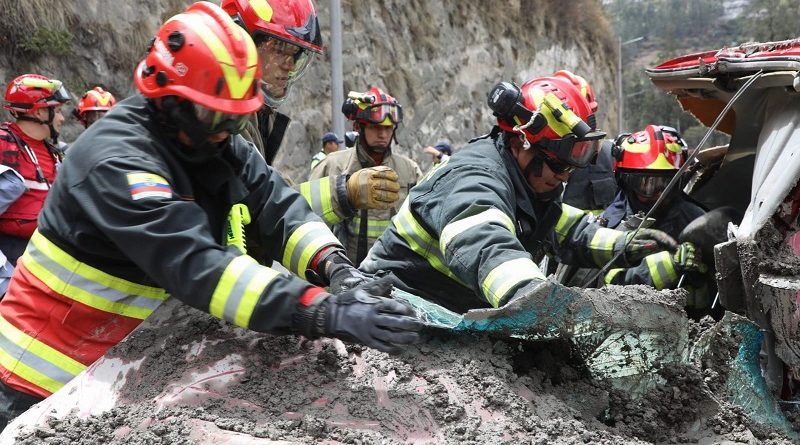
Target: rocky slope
438,58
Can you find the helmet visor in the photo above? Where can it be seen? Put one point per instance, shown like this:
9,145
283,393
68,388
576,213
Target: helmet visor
283,64
574,151
381,114
216,122
645,185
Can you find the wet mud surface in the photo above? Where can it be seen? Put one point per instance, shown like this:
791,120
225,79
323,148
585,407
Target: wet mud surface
243,387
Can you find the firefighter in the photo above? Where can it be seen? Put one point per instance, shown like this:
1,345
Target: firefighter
94,104
644,163
468,234
139,214
35,102
375,115
288,39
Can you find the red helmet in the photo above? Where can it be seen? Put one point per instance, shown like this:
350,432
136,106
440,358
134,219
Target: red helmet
294,28
582,85
203,57
373,107
553,113
30,92
293,21
647,160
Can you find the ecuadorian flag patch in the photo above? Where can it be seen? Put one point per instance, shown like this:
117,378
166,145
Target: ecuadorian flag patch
148,185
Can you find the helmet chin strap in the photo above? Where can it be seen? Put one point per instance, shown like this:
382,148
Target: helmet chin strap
51,115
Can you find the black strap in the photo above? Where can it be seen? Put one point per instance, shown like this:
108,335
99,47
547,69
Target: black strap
275,136
361,252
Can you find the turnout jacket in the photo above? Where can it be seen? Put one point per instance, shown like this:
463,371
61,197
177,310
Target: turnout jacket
358,230
127,225
468,234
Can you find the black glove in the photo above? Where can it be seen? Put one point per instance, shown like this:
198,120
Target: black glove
646,242
359,316
345,277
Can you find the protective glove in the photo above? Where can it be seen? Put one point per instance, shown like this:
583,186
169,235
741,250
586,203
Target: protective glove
373,188
345,277
687,259
646,242
359,315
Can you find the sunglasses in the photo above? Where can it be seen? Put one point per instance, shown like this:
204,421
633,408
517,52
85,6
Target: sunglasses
557,166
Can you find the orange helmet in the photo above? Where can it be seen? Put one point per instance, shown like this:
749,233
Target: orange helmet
30,92
373,107
291,23
202,57
554,114
96,100
647,160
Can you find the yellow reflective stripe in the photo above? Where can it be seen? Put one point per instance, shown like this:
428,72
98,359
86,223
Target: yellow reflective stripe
83,283
506,276
35,361
420,241
304,243
458,227
661,269
239,289
102,99
375,227
319,197
602,245
569,217
238,85
611,275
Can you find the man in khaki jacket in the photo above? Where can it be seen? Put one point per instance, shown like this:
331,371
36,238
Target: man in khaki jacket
375,116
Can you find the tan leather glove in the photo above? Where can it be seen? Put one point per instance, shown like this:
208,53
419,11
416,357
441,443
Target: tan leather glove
373,188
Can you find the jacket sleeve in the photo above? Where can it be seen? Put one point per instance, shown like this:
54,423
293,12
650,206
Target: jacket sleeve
12,186
578,240
169,239
289,228
656,270
472,212
326,193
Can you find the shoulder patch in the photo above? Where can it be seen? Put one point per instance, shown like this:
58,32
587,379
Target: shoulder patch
148,185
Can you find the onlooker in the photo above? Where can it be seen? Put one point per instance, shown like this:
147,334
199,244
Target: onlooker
440,152
330,144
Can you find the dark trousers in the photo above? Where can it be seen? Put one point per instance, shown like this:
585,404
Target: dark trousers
13,403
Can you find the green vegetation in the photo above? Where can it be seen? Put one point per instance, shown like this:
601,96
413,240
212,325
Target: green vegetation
46,41
676,27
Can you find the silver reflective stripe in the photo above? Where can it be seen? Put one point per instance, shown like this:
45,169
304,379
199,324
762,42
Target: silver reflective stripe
318,195
303,243
93,288
375,227
420,241
602,245
36,185
239,290
569,217
455,228
39,364
661,269
506,276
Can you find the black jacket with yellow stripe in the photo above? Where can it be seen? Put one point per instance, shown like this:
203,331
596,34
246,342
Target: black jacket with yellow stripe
468,234
167,230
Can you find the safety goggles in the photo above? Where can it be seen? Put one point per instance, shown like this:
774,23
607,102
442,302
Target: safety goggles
572,150
557,166
215,121
646,185
378,113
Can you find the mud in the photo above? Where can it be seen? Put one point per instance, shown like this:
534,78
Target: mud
459,389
